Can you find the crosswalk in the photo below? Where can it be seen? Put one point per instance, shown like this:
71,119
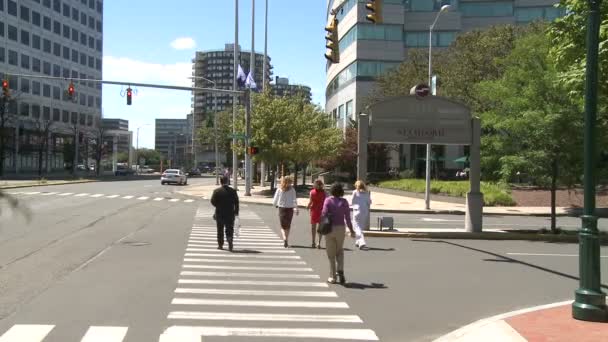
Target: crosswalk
38,332
100,196
260,290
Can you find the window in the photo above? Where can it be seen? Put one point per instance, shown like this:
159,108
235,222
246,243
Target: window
91,62
486,9
98,26
1,28
2,55
2,5
36,111
83,100
46,45
57,49
65,116
74,55
98,102
83,19
528,14
36,88
340,112
82,119
349,109
25,38
46,90
25,85
56,93
36,41
99,7
421,39
46,23
12,33
74,118
66,53
25,61
36,18
66,31
91,23
83,39
25,13
91,42
371,32
66,73
12,57
99,45
12,7
24,109
46,68
92,4
56,114
98,64
46,113
83,59
75,14
66,10
427,5
46,3
56,27
56,70
89,120
57,6
35,64
91,101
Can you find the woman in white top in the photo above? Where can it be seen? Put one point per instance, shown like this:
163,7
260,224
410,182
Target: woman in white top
361,202
285,199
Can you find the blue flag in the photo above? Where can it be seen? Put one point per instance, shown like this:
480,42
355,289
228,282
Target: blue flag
241,78
250,82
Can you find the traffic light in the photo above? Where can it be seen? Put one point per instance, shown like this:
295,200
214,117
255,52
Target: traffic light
375,9
5,89
332,41
129,96
253,150
71,91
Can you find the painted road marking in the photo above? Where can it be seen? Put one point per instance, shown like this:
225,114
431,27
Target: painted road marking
214,250
188,201
96,195
174,200
143,198
258,292
251,282
240,243
210,255
263,303
220,261
343,334
26,332
249,275
32,193
105,334
49,193
112,196
128,197
158,199
81,195
550,254
210,239
249,268
66,194
235,316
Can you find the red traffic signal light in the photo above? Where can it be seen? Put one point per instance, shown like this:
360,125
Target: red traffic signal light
253,150
129,96
5,89
71,91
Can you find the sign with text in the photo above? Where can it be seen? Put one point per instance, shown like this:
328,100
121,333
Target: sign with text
414,120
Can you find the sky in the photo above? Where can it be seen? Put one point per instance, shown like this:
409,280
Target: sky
155,41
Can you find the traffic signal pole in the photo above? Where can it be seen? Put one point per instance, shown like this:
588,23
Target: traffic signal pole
248,167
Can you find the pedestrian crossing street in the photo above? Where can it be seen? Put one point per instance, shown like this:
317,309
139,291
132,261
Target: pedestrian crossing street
99,196
260,290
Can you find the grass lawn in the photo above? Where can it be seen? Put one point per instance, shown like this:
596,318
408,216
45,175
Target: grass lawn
494,194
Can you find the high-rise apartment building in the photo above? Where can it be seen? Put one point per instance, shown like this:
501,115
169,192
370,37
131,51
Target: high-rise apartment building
369,50
217,66
58,38
281,87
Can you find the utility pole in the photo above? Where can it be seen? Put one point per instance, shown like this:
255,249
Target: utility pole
235,162
264,76
248,167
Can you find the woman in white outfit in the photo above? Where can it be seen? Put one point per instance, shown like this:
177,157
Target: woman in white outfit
285,198
361,202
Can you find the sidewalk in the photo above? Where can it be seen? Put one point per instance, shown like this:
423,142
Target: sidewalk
552,322
386,202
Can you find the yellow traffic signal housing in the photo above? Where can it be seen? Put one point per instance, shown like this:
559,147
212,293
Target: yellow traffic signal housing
375,9
333,55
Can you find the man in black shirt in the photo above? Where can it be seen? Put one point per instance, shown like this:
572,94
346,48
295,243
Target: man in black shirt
226,203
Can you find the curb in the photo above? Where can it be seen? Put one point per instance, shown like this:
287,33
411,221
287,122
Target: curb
485,321
479,236
45,184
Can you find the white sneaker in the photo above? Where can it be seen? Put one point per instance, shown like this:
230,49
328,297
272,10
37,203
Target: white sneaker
331,280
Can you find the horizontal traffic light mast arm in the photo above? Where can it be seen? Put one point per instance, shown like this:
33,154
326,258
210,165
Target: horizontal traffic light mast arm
124,83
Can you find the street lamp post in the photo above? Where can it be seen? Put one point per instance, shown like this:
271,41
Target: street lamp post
427,192
217,156
590,302
137,146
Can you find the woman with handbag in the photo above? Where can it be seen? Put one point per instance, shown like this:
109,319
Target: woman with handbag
361,202
315,205
285,199
337,211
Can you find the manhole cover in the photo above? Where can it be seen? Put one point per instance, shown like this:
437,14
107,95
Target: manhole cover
135,243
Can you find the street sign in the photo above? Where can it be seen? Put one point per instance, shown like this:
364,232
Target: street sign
237,136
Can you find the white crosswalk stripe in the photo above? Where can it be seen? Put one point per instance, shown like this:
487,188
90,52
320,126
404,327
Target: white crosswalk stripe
104,196
268,286
38,333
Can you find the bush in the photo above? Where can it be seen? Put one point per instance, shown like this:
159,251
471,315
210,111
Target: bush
495,194
407,174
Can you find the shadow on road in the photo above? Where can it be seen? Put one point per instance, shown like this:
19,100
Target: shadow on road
378,249
246,251
359,286
502,258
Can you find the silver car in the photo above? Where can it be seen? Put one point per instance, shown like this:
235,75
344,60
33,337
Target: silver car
173,176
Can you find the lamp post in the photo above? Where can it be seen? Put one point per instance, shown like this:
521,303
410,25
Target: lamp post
235,162
590,302
217,155
137,146
427,191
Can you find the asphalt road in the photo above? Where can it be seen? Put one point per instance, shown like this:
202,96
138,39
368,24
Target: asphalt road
135,259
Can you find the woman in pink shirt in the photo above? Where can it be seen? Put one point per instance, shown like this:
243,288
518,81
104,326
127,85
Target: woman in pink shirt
336,208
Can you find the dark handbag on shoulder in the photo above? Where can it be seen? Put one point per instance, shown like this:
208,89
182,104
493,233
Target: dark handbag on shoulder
325,225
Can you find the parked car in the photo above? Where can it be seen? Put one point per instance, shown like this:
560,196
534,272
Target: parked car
194,172
173,176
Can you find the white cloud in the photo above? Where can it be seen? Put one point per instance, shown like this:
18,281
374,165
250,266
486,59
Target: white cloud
183,43
125,69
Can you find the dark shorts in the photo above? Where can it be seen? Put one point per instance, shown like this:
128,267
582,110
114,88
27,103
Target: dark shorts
285,217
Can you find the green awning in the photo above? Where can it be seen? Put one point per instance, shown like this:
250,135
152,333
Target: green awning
464,159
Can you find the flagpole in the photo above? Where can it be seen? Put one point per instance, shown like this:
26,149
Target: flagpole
264,75
235,162
248,167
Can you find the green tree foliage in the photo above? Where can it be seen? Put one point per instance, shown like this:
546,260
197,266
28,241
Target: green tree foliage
151,157
206,134
531,126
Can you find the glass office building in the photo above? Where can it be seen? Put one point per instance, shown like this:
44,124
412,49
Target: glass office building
369,50
58,38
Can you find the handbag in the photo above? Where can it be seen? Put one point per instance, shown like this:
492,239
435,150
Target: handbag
325,225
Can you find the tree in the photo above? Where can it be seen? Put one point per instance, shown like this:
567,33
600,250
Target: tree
148,156
8,110
206,134
122,157
535,128
99,147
